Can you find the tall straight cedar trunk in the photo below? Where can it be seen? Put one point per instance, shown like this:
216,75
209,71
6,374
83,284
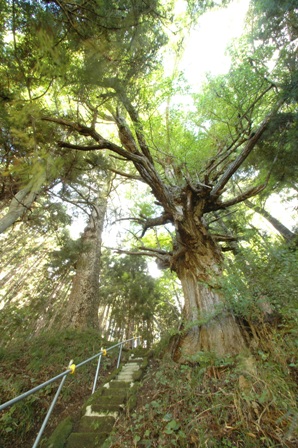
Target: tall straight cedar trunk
82,307
207,323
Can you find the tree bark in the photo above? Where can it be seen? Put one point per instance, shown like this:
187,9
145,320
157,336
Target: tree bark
208,325
82,307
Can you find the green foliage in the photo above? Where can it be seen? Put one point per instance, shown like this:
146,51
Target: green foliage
50,53
261,277
223,113
196,8
274,18
281,140
137,302
66,256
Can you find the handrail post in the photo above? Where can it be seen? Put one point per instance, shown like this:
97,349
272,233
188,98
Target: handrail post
96,374
49,412
119,356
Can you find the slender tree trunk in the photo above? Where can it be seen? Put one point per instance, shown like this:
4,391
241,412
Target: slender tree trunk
20,203
103,315
84,300
282,230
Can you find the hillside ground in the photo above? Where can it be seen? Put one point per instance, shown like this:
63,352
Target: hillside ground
248,401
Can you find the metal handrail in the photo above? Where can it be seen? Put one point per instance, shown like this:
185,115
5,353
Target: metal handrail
71,368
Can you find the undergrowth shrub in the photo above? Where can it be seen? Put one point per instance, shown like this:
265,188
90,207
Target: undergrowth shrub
213,403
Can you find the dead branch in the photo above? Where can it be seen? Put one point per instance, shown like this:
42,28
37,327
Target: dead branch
127,175
219,237
158,221
90,132
145,251
242,197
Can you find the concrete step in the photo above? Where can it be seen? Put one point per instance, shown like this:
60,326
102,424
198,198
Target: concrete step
115,384
111,395
131,371
128,371
112,392
132,364
124,375
103,407
107,407
104,423
133,359
86,439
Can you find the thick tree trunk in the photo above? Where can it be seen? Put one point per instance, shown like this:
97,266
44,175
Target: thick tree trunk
208,325
84,300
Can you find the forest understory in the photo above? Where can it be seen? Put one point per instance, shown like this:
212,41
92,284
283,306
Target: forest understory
244,401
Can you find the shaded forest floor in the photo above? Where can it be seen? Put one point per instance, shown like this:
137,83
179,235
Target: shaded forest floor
232,402
214,403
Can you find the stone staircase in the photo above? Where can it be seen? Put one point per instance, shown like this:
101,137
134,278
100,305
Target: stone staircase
101,410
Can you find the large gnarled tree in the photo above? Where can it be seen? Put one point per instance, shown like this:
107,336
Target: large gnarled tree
184,201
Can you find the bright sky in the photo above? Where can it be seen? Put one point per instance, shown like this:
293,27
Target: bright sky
206,46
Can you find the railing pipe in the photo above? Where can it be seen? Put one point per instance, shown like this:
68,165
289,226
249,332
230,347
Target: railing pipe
96,374
49,413
32,391
63,375
119,356
55,378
